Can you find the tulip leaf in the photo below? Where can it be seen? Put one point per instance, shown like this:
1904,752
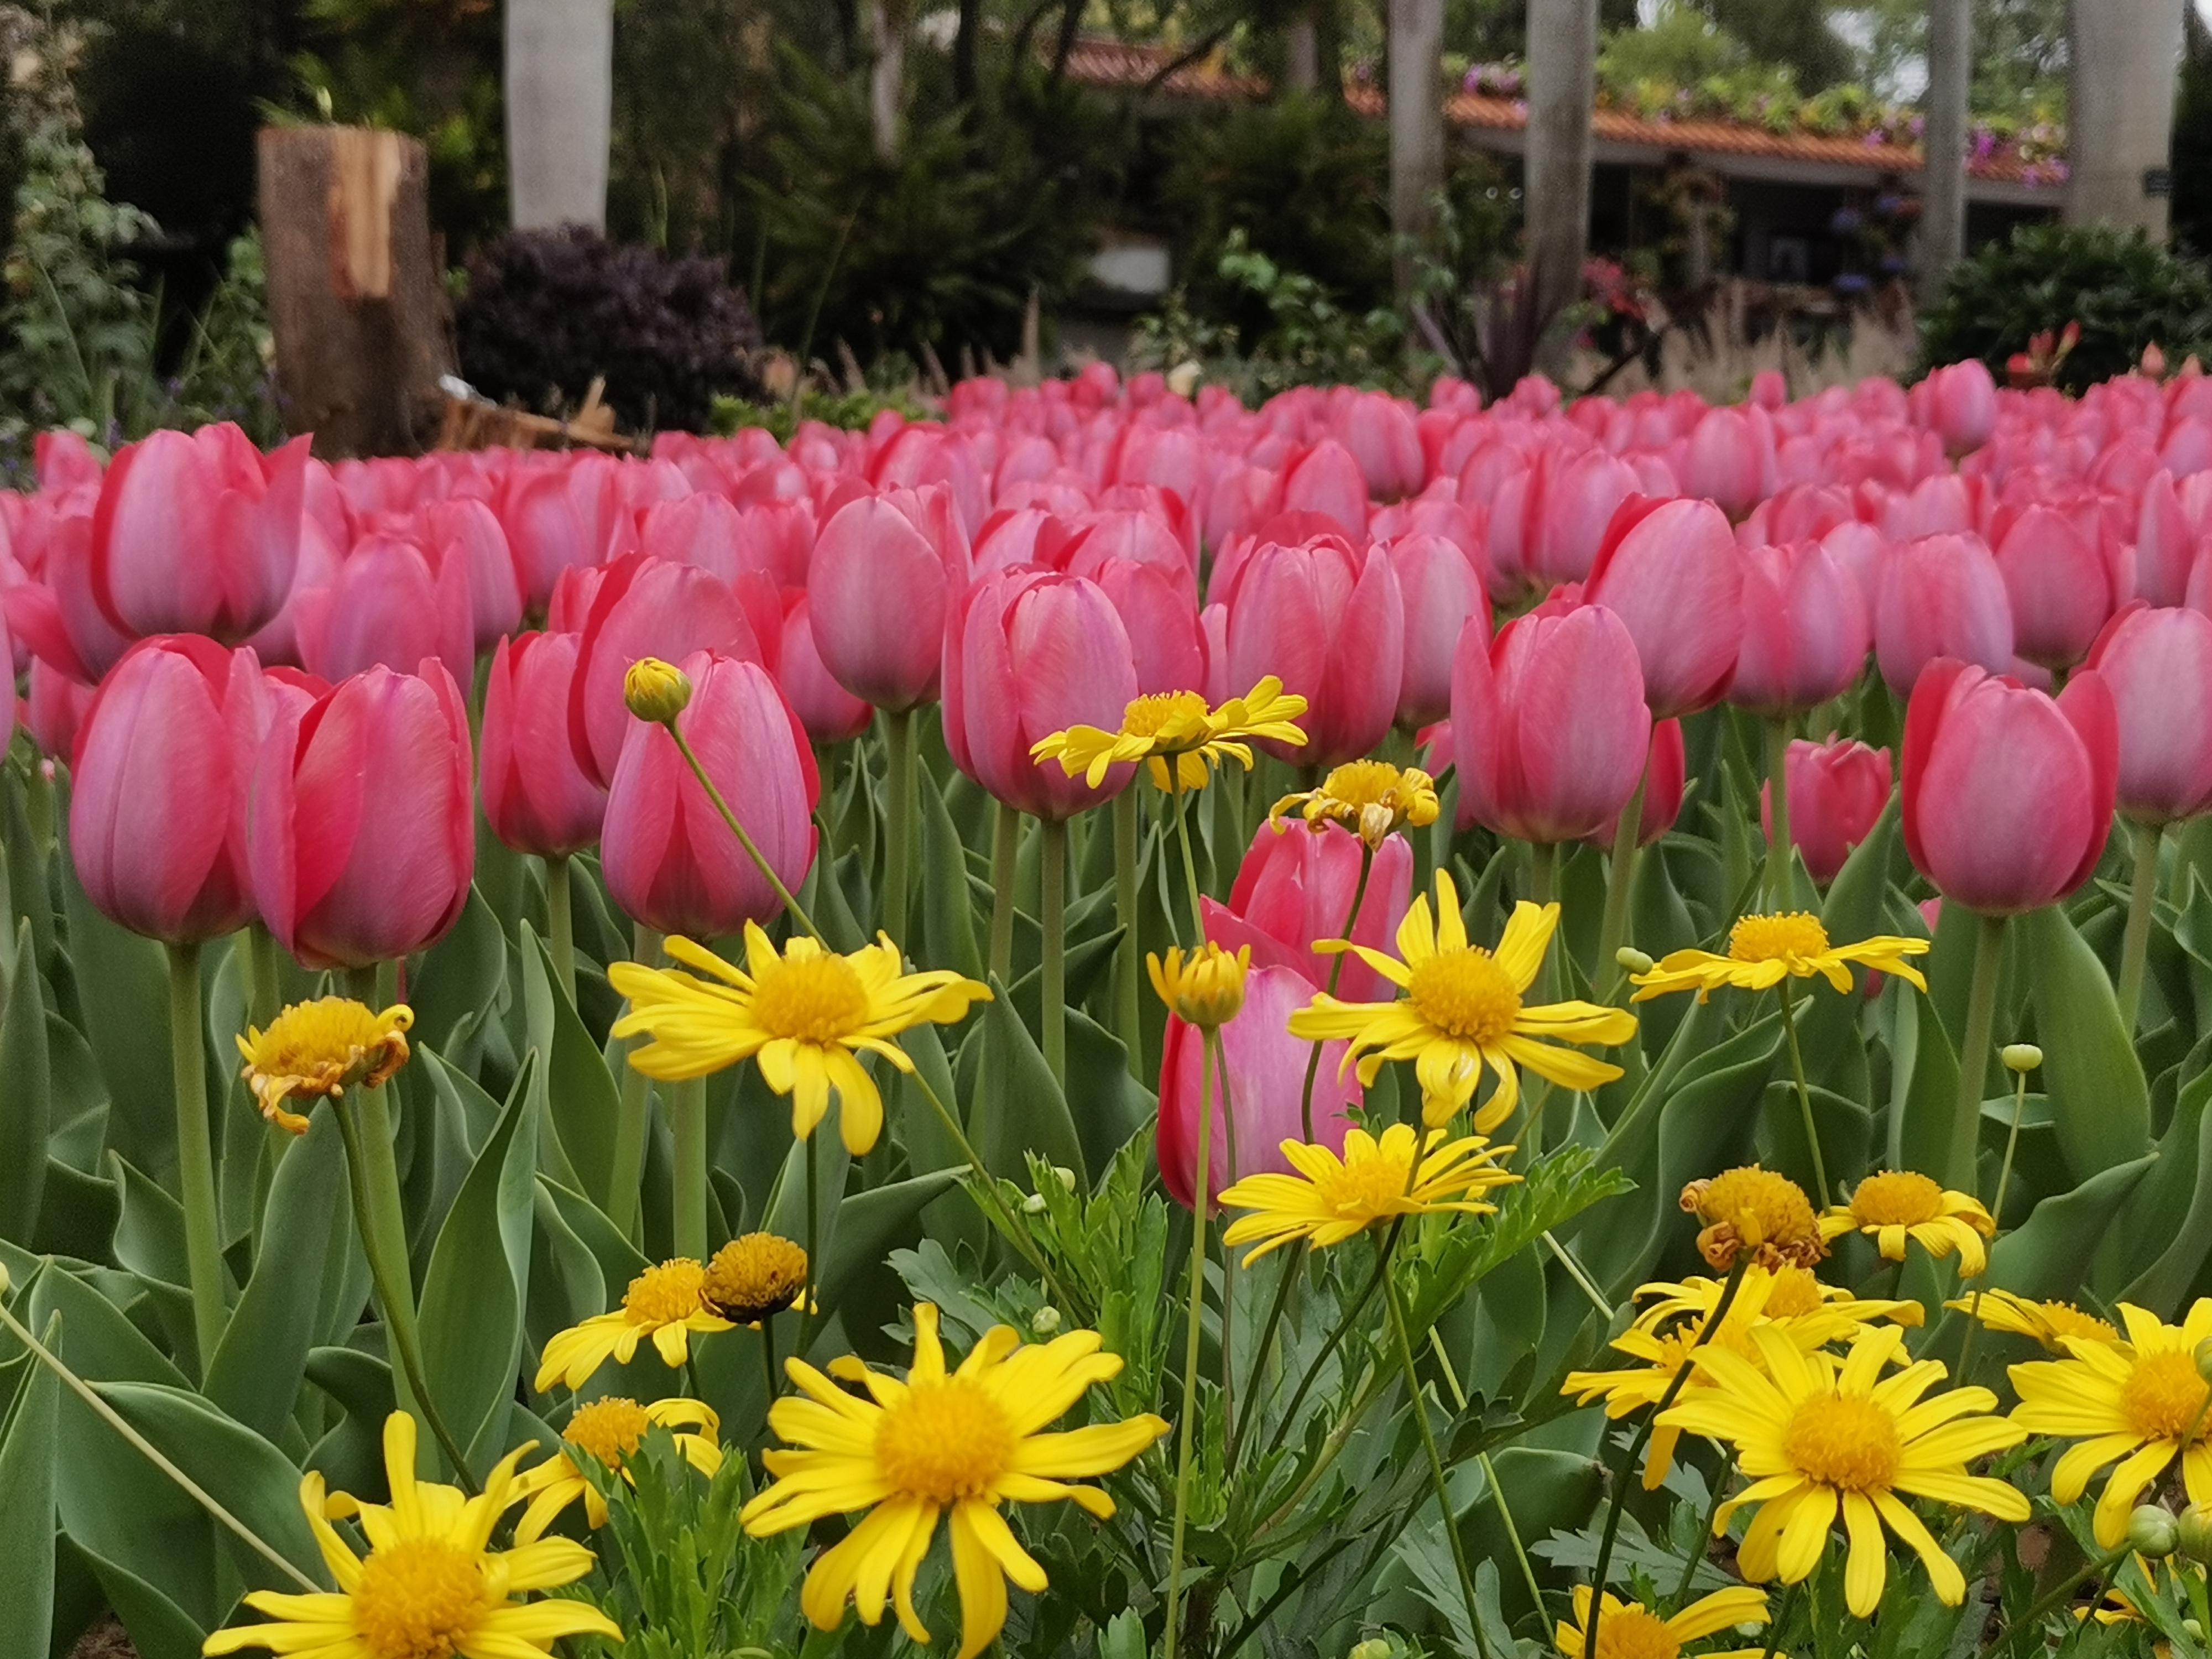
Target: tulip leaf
2048,1256
26,1505
579,1093
2173,1205
460,977
2100,1101
785,1212
479,1282
566,1285
1019,1106
26,1095
948,931
1857,902
1927,1071
123,987
870,1225
149,1243
351,1458
158,1628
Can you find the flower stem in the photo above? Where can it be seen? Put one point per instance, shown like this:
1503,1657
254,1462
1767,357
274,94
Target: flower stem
809,1302
373,1176
1438,1481
1773,1630
1778,840
687,1111
1128,956
988,1187
2143,903
1823,1197
1335,1337
267,993
898,838
1536,1092
1705,1533
1189,1408
633,1116
196,1152
1996,1215
1180,804
1005,852
1623,1473
745,837
560,924
1052,917
1228,1257
1974,1053
1621,890
1335,973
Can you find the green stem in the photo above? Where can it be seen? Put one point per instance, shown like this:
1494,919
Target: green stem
1438,1481
196,1152
1705,1533
898,838
1189,1407
745,837
1996,1214
1335,1337
1773,1630
1974,1053
1335,973
687,1111
988,1187
1778,787
1128,959
560,924
1228,1257
1179,803
633,1117
1005,852
268,989
1823,1196
2143,903
1053,918
809,1307
1620,891
1536,1092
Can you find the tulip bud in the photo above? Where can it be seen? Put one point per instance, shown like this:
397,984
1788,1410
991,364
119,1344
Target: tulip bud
1046,1320
656,690
2020,1056
2153,1532
1633,960
2193,1533
1206,987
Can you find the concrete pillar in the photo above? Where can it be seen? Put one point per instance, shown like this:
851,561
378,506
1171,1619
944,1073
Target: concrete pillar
1556,181
2125,55
1417,126
1943,143
887,74
560,105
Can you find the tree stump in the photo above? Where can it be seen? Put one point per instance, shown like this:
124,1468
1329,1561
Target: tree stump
355,301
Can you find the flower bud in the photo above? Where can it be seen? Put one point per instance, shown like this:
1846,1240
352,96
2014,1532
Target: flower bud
2193,1533
1373,1648
1065,1176
656,690
3,1279
1634,960
2021,1056
2204,1358
2153,1532
1046,1320
1033,1205
1205,988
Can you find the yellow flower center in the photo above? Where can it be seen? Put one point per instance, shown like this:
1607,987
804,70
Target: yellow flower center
421,1599
814,999
2163,1394
946,1441
666,1295
322,1046
1843,1441
1364,1189
1205,988
1760,1206
1795,1293
2064,1319
609,1430
1896,1198
1464,994
1362,783
1797,933
1630,1633
753,1277
1148,716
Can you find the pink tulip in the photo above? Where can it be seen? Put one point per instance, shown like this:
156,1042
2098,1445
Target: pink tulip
2157,666
1941,596
1443,596
468,532
2009,793
827,710
1331,624
880,587
1960,402
2060,584
1547,522
363,833
1836,793
1806,629
1295,889
53,709
1731,459
1327,480
1166,639
563,516
1550,730
1665,779
1028,653
669,859
2165,544
196,533
1379,431
1672,573
644,607
1266,1067
536,798
387,605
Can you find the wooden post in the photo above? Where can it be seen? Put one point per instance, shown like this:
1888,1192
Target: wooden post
1417,129
1556,173
354,298
1943,145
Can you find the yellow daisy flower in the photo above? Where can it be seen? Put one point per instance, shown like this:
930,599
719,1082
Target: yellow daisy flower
1205,988
910,1451
2047,1322
1764,951
1821,1439
1749,1208
806,1016
1370,797
1464,1009
1894,1205
1790,1300
611,1430
1178,727
754,1278
665,1303
1331,1199
2141,1402
431,1584
1627,1631
317,1050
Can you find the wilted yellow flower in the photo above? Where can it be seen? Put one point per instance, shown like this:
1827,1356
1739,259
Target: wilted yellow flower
1764,951
1332,1199
611,1430
1206,987
2047,1322
1178,727
656,690
754,1278
664,1304
1753,1209
1371,796
317,1050
1894,1205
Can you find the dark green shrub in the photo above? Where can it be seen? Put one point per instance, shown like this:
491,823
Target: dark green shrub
2125,293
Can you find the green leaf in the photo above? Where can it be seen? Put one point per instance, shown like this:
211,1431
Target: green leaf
479,1283
2100,1101
869,1224
1018,1107
2173,1206
948,919
27,1504
26,1095
579,1094
2049,1256
123,987
1920,1115
460,978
